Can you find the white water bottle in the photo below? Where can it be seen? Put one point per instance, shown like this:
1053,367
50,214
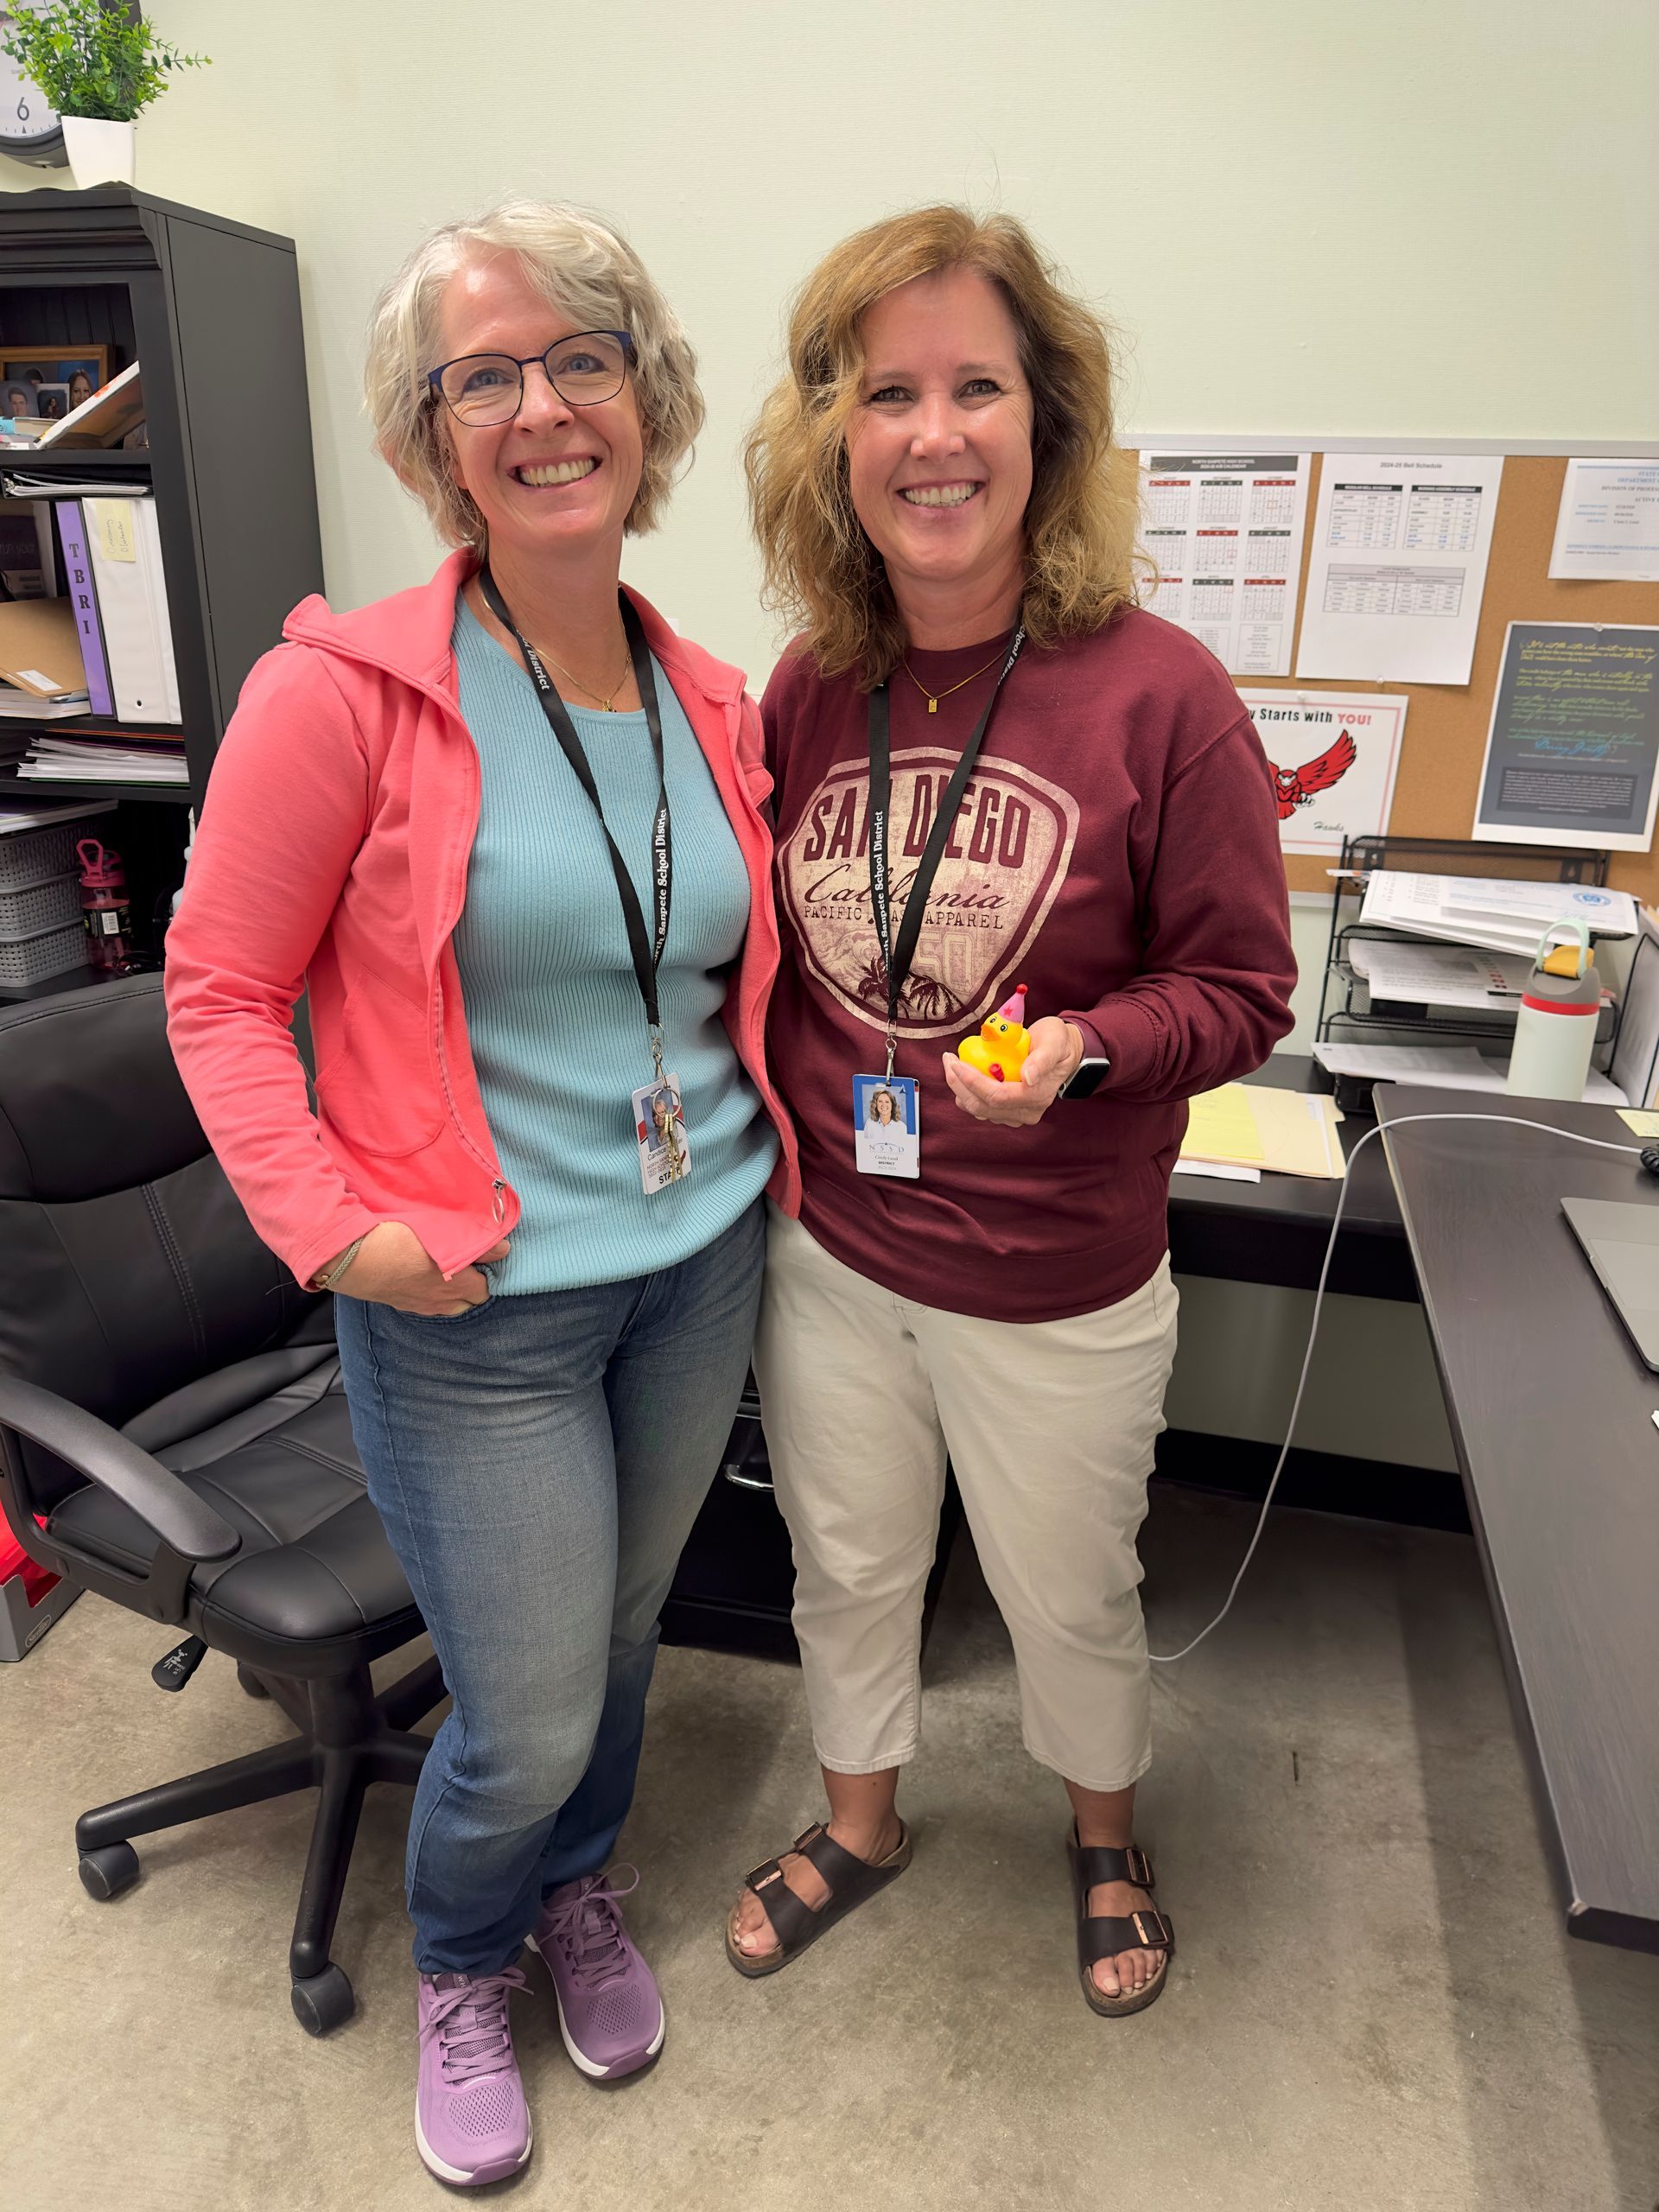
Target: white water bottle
1555,1029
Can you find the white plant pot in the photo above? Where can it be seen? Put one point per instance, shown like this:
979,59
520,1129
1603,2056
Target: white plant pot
99,152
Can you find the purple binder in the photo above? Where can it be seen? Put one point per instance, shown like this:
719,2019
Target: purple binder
83,597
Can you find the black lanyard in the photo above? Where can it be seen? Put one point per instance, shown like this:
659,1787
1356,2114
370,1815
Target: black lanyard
647,956
896,957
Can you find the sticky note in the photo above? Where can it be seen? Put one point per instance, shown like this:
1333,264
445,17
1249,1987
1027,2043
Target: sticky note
115,528
1638,1123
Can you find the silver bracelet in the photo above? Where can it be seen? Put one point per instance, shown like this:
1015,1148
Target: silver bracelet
332,1274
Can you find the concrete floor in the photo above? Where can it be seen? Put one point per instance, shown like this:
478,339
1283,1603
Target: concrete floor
1375,2008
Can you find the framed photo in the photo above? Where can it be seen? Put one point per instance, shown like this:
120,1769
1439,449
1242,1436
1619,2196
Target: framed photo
52,401
81,370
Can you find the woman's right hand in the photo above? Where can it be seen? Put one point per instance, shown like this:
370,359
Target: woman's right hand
393,1267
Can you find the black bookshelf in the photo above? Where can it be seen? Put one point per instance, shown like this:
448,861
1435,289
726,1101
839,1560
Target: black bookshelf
211,309
49,461
177,795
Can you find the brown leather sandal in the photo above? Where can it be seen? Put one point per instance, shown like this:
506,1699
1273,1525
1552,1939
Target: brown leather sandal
796,1924
1105,1935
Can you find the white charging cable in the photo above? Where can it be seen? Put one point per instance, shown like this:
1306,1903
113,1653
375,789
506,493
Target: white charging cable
1512,1121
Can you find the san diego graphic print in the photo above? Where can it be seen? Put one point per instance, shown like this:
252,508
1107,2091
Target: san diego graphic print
1004,862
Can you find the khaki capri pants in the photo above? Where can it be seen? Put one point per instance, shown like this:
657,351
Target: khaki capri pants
1050,1426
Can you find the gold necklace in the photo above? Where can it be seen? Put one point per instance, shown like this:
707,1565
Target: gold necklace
934,697
606,705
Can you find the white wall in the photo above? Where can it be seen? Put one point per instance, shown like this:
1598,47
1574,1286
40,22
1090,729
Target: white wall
1410,218
1416,218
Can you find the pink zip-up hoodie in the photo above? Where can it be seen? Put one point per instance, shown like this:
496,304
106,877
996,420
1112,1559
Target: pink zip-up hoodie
332,857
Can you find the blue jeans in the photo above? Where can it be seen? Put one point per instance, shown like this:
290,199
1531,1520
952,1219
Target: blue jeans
537,1463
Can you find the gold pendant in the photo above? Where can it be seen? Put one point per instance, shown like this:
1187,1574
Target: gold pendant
933,706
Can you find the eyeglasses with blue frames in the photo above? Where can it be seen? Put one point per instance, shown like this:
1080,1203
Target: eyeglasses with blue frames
482,389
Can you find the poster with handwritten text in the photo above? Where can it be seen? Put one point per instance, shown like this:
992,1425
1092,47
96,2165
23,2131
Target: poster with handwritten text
1575,737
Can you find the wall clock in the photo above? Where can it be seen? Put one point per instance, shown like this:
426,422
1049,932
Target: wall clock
30,130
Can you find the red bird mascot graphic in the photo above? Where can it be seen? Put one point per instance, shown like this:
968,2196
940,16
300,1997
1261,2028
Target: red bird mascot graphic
1295,786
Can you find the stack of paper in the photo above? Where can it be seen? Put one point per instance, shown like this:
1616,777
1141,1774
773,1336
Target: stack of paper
23,706
24,483
1441,1067
1442,975
1439,975
1248,1125
104,759
1491,912
18,814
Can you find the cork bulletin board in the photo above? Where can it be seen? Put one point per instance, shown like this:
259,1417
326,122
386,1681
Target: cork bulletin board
1439,778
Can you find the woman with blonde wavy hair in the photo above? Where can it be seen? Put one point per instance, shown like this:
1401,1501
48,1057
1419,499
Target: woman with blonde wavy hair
504,829
991,768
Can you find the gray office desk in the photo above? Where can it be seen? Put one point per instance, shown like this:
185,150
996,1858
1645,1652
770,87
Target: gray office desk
1276,1231
1551,1412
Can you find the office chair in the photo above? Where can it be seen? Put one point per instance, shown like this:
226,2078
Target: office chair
174,1437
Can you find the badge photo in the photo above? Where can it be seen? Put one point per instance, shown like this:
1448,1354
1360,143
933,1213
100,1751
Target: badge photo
886,1125
659,1128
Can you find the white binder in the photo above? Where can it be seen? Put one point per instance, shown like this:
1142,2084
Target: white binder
125,546
149,560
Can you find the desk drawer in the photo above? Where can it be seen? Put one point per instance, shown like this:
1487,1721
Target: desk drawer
736,1575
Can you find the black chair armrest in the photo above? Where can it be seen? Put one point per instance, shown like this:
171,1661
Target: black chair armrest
184,1523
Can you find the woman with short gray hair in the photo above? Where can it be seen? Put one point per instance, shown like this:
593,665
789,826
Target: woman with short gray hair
504,829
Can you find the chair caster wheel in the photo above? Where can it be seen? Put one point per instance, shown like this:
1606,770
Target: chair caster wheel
322,2001
105,1874
251,1682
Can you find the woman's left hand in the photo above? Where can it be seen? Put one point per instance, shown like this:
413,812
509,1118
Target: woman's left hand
1055,1055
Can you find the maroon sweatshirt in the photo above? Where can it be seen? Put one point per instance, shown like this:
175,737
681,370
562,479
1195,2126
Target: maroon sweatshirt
1117,852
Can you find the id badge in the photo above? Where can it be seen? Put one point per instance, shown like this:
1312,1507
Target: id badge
887,1125
659,1126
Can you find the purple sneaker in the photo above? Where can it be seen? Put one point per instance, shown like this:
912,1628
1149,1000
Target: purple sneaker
610,2009
471,2122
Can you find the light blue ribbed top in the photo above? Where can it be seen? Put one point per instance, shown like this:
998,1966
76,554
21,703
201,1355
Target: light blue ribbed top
553,1009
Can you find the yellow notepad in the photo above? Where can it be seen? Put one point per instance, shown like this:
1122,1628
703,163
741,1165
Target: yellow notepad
1221,1126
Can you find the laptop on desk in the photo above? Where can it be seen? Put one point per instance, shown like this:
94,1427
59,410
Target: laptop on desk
1621,1242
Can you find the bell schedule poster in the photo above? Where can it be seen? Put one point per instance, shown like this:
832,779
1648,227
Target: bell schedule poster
1398,566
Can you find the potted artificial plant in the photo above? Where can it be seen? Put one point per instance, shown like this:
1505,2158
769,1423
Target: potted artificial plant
99,64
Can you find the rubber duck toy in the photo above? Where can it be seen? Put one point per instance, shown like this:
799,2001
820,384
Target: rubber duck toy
1003,1041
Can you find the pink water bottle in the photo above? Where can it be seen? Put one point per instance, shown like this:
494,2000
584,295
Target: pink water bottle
104,907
